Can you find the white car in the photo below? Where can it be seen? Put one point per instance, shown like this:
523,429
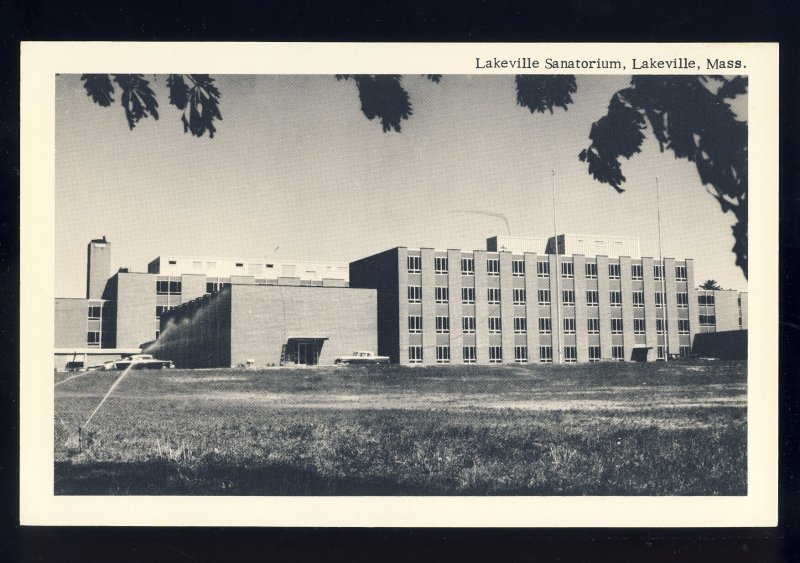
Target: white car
142,361
362,357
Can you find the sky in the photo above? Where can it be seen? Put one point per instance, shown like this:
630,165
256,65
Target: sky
297,172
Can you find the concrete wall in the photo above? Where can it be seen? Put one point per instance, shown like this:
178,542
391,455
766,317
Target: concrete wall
263,318
726,308
98,268
71,324
135,309
383,273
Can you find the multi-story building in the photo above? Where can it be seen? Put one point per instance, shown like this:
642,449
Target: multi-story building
121,313
523,304
454,306
722,310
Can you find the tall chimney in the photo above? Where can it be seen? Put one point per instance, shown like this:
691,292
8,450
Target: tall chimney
98,267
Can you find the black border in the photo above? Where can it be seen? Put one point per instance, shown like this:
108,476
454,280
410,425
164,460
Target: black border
501,21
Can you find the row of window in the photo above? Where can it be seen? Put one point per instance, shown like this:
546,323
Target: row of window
519,297
545,325
168,287
441,266
469,354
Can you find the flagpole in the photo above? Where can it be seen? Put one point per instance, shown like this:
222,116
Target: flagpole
556,331
663,276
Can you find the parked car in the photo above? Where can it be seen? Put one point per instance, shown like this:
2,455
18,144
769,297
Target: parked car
142,361
362,357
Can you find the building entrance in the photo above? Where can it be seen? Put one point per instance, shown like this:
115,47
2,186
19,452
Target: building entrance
303,351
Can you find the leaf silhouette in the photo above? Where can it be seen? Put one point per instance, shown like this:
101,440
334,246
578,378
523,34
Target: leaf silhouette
540,93
382,96
434,77
137,98
178,91
201,107
99,87
689,119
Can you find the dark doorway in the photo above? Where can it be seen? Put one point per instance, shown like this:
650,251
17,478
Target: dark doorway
303,351
639,354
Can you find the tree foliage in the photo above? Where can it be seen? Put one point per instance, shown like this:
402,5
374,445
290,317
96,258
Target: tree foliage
710,285
194,94
688,115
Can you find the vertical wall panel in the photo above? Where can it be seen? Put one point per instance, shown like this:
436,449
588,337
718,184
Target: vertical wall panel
603,290
481,309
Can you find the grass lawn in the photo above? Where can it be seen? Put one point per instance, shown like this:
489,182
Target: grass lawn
597,429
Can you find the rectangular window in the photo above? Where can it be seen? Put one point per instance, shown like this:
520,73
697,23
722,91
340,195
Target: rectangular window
174,288
495,325
706,299
638,299
613,271
592,298
570,354
443,354
519,297
660,353
683,300
442,325
414,264
158,333
494,295
468,295
616,298
567,270
520,325
569,325
468,324
211,287
521,354
591,270
160,309
618,352
414,324
415,354
659,326
680,273
659,299
544,297
495,354
162,287
658,271
467,266
493,266
442,294
469,355
683,326
593,325
544,325
616,326
708,320
440,264
568,296
93,338
414,294
684,351
546,354
518,268
636,271
94,313
638,326
594,353
543,269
